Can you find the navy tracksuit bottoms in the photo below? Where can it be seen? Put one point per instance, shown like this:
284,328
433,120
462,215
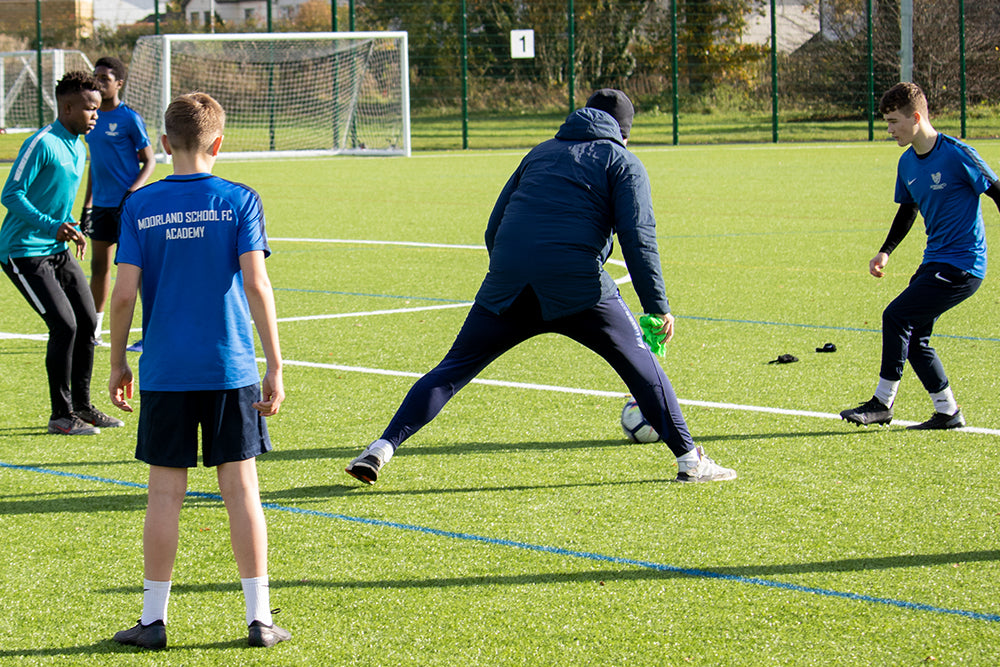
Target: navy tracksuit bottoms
609,329
908,321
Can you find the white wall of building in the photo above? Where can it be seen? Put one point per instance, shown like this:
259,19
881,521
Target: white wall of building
237,12
796,21
113,13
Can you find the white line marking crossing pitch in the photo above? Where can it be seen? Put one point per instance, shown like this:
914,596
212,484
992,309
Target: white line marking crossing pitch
548,387
410,244
366,313
418,244
609,394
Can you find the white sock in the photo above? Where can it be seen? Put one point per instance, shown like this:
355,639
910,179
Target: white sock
100,322
257,593
689,460
382,449
944,401
886,391
155,595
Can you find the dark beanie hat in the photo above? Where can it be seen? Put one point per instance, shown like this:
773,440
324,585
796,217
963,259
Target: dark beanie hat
616,103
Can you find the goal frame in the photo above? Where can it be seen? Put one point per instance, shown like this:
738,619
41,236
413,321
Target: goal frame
155,125
54,66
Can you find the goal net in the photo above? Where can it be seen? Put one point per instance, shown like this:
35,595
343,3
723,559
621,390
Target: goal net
285,94
20,103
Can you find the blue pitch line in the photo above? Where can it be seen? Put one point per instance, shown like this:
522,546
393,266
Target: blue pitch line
558,551
382,296
779,232
680,317
823,326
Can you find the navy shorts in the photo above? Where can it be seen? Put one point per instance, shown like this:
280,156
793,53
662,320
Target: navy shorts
104,222
231,429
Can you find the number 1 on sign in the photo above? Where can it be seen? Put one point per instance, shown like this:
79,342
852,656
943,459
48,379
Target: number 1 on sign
522,43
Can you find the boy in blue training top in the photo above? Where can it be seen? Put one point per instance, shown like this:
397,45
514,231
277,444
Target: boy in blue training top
34,254
197,244
121,161
941,178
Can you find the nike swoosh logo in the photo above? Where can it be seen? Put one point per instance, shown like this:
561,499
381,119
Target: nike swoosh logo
911,182
942,278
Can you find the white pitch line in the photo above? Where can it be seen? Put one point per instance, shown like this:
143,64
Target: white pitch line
411,244
549,387
416,244
14,336
627,278
389,311
611,394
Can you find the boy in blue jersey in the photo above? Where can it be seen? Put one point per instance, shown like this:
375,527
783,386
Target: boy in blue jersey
39,195
197,244
121,161
941,178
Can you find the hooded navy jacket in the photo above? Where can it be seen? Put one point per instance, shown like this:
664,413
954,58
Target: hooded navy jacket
553,224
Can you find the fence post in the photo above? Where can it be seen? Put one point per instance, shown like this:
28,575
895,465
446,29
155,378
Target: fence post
906,40
38,63
333,15
675,78
871,73
156,17
571,29
465,76
961,56
774,74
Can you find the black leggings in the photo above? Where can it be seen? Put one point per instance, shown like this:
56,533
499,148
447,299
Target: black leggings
55,286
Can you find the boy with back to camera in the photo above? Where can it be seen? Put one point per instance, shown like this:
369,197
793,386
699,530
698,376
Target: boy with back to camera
121,161
941,178
197,244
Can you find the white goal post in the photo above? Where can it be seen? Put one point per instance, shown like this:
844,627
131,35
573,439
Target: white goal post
285,94
19,85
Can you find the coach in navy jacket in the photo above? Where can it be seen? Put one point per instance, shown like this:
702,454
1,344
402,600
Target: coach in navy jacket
549,235
553,224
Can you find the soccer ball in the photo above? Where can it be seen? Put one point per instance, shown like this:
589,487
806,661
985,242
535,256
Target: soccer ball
635,426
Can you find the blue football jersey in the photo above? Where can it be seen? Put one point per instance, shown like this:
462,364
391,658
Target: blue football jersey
946,185
115,143
187,233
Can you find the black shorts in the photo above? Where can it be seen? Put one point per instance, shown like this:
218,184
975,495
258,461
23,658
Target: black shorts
104,223
231,429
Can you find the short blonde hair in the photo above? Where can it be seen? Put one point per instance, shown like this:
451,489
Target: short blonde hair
904,97
194,121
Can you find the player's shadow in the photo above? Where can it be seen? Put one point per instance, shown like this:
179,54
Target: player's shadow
70,502
739,437
748,573
88,650
325,491
24,431
451,448
56,466
109,646
634,573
